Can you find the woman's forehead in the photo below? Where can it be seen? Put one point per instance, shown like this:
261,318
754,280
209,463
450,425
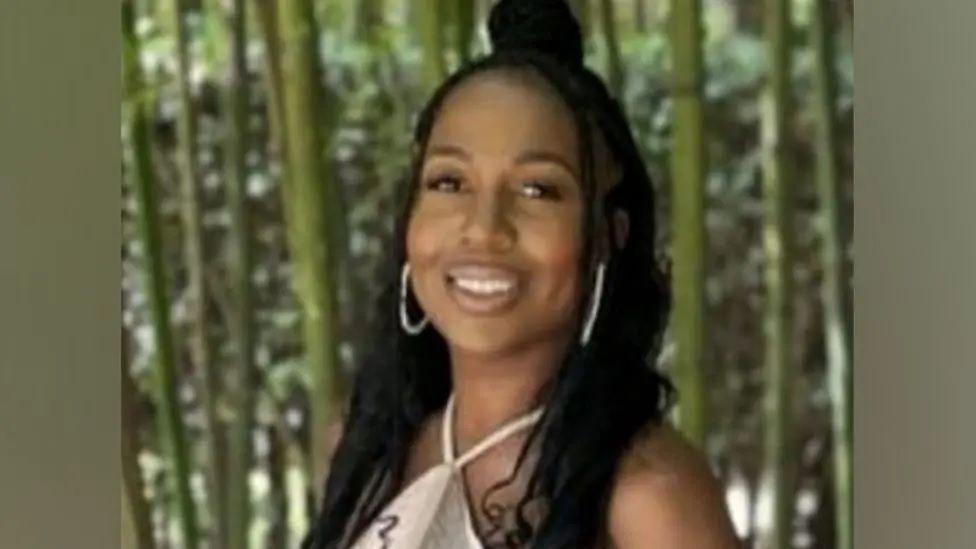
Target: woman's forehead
505,113
509,112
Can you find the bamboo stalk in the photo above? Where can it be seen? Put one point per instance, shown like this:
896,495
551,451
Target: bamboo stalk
309,201
300,506
464,29
127,531
369,17
640,16
778,246
278,533
268,27
208,377
136,506
848,22
688,165
171,425
615,67
836,325
241,379
430,27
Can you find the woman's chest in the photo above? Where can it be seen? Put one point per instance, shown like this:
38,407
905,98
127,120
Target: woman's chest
486,492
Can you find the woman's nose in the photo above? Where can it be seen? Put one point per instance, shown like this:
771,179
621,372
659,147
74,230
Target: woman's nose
487,226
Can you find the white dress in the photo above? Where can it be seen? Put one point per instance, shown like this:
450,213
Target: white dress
432,512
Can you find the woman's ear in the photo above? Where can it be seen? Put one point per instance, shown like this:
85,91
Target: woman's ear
621,228
609,174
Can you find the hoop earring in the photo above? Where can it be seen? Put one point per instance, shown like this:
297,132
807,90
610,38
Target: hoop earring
412,329
594,305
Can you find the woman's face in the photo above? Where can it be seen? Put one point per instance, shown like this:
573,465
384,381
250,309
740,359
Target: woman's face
495,234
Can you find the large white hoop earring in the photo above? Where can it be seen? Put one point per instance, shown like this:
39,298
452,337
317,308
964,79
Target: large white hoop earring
594,305
412,329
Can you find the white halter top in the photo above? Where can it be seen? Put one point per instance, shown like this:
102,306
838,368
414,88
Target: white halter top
432,512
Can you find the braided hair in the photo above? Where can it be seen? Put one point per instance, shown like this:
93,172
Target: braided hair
602,394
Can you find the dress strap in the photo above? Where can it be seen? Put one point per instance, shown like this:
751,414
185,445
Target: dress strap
447,434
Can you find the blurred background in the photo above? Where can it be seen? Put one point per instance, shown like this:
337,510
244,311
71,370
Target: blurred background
263,143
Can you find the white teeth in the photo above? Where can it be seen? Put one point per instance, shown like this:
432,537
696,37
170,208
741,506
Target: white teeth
484,286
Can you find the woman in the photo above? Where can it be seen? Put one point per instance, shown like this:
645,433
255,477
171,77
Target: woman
508,400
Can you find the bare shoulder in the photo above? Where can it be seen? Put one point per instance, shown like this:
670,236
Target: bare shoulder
665,496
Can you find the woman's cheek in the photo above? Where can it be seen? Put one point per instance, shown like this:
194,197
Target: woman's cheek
560,244
421,243
426,244
553,248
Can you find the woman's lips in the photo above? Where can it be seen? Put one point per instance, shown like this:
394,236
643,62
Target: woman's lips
480,289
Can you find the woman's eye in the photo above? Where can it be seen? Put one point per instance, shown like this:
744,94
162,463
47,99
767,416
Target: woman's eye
538,189
443,184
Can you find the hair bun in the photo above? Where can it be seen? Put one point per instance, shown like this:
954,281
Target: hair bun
546,26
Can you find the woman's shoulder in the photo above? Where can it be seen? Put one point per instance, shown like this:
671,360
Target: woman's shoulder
661,452
665,495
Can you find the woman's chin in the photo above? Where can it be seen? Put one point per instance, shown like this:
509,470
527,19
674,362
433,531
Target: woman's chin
485,340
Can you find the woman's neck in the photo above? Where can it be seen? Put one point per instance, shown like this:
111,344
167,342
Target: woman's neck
492,390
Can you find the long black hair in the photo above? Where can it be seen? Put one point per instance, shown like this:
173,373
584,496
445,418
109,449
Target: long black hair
602,394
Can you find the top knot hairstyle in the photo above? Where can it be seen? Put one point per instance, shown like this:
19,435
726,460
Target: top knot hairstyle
545,26
602,394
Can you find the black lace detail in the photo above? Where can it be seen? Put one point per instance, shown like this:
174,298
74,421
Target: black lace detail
384,530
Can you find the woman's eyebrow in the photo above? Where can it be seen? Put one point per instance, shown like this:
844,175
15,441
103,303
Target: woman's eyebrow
449,150
544,156
525,157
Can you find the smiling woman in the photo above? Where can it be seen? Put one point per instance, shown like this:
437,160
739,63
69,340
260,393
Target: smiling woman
509,399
